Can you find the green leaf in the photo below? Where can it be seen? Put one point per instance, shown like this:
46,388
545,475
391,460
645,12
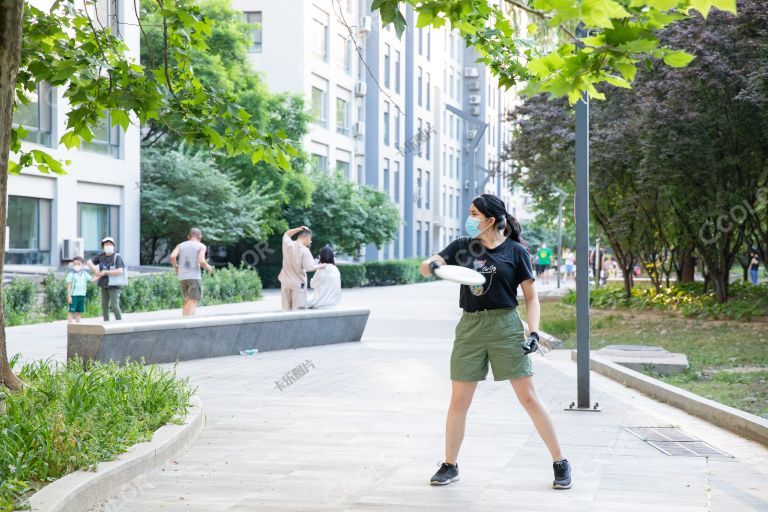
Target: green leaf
532,29
678,58
119,117
70,140
617,81
598,13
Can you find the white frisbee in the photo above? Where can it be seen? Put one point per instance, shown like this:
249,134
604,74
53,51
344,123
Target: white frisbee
461,275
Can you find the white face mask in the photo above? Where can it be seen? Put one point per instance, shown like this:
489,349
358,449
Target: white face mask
78,268
109,250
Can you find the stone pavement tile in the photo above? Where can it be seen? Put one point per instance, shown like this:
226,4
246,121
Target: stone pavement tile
622,505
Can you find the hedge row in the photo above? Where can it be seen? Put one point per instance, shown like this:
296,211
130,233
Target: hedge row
353,275
144,293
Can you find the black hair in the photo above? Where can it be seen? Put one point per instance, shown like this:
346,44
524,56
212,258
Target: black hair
326,255
77,258
493,207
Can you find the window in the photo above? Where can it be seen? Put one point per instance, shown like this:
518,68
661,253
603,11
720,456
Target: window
320,161
418,188
343,53
444,165
254,19
96,222
386,123
420,134
342,167
386,176
427,236
397,181
397,129
35,116
342,116
442,203
106,138
360,175
105,14
429,47
387,52
397,71
421,41
458,165
429,91
29,230
320,34
450,204
418,238
428,140
458,204
451,166
320,102
397,244
428,192
419,83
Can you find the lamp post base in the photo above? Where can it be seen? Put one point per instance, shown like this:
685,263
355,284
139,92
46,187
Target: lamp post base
594,408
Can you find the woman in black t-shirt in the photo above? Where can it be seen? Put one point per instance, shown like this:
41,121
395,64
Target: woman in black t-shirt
490,329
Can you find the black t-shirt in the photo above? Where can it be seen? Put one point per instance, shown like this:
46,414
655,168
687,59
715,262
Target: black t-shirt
104,262
504,268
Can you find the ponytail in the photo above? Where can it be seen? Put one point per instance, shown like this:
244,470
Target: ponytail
512,229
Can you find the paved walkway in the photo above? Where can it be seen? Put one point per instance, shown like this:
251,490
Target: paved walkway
363,431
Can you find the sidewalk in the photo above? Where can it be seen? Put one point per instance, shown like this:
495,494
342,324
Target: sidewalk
363,431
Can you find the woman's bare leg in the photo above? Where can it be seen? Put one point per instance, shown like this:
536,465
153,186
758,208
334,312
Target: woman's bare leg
461,398
529,399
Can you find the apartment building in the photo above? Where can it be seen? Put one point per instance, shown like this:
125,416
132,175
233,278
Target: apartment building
413,116
99,195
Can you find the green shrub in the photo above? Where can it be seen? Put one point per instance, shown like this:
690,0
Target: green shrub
392,272
231,284
745,301
55,297
19,301
69,419
268,275
352,275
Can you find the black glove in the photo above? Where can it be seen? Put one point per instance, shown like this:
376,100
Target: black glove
433,265
531,344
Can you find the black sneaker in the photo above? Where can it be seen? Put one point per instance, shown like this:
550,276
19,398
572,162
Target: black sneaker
446,474
562,474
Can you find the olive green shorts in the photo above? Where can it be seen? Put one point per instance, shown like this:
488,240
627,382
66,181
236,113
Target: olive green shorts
191,289
496,336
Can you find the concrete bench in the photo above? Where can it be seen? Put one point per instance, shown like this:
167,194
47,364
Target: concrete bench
182,339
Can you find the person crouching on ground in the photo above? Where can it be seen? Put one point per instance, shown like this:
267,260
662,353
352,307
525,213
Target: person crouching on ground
326,282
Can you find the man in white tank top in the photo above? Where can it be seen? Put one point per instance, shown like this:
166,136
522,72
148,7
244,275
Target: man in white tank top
187,259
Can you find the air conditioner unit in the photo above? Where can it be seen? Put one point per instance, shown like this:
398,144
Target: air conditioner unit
72,247
360,88
471,134
474,85
365,24
475,99
475,111
358,129
471,72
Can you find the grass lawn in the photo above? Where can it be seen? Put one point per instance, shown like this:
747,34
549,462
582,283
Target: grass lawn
729,359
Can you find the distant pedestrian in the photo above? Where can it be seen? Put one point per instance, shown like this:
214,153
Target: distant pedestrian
187,259
545,260
326,282
110,264
754,265
77,284
569,263
297,261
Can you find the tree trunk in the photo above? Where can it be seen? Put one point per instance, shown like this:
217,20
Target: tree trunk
720,282
688,268
11,21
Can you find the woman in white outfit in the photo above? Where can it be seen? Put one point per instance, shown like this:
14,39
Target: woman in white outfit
326,282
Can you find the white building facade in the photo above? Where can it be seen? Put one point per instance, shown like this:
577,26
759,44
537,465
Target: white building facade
403,119
99,195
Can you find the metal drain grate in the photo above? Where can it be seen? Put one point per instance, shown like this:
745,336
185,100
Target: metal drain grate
676,443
